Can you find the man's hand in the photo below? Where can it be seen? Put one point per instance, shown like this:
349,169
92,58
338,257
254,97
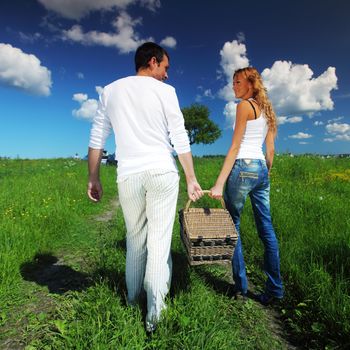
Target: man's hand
194,190
95,191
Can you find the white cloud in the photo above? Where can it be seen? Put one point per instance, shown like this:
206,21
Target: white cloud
87,109
292,120
80,75
300,135
29,38
293,90
123,36
337,132
99,89
150,4
77,9
282,120
336,128
344,137
23,71
318,123
335,120
233,56
207,93
230,112
125,39
303,143
80,97
88,106
169,41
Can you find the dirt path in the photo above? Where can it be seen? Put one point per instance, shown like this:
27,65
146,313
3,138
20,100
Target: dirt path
273,315
108,215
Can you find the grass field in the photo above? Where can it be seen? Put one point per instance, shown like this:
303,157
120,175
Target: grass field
62,270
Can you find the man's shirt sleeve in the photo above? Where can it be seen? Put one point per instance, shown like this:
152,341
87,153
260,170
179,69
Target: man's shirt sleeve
101,126
176,124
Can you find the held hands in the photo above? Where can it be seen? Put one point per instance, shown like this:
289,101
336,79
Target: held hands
94,190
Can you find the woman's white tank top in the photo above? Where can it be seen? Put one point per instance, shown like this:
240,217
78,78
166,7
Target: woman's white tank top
253,138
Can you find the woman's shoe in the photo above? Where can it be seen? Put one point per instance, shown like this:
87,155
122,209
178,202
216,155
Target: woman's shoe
239,296
266,299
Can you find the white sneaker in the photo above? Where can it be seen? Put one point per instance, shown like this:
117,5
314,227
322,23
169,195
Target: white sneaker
150,326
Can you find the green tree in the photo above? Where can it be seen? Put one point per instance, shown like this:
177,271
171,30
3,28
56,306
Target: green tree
200,128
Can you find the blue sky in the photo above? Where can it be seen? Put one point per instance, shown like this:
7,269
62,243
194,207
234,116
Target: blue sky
55,55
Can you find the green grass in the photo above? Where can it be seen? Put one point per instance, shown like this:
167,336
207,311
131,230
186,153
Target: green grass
45,215
43,208
310,209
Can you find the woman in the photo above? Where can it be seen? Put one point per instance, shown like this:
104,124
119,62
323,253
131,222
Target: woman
247,172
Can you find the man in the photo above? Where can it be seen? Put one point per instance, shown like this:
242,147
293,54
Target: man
146,119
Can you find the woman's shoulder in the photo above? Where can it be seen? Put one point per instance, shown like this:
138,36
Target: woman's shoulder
244,107
243,103
248,103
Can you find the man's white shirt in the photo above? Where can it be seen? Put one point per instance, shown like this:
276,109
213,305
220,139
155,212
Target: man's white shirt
146,119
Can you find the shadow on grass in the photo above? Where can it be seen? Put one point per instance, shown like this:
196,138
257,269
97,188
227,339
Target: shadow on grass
111,271
220,285
48,270
121,244
114,279
217,284
181,274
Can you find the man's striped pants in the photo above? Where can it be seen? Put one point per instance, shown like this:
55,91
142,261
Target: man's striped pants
148,200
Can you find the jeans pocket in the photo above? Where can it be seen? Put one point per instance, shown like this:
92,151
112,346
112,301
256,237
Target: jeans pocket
248,175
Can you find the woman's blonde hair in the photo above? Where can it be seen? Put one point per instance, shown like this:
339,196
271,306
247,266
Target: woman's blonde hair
260,95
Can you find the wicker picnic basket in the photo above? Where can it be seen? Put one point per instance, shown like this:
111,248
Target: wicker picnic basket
208,234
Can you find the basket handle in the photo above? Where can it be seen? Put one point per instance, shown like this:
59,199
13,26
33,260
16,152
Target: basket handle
207,192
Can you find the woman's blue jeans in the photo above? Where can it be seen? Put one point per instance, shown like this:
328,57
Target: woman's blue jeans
250,177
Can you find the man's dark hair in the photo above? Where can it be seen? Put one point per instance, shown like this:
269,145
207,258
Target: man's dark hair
145,52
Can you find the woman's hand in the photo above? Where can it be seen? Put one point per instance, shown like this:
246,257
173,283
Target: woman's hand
216,191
